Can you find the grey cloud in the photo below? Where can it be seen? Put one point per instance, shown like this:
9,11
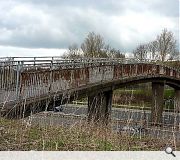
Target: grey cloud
59,23
107,6
164,7
161,7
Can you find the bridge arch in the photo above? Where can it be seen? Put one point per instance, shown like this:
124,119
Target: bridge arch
158,83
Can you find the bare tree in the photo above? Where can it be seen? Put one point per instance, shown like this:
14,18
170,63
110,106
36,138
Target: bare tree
166,45
94,46
152,49
73,52
114,53
175,55
141,52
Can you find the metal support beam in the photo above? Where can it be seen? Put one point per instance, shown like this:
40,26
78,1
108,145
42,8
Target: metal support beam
99,107
157,102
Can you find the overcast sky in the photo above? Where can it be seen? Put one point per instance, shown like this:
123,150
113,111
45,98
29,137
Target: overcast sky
48,27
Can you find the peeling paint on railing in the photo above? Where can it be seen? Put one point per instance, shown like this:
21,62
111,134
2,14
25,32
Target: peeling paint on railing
32,78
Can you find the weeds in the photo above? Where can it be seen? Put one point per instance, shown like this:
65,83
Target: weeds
15,135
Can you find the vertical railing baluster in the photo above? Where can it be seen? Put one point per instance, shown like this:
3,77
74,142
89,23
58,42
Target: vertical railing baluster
34,61
18,79
51,79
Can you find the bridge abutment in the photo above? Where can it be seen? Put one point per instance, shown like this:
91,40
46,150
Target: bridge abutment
99,106
157,102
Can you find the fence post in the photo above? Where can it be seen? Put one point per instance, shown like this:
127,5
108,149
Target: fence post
34,61
51,78
18,74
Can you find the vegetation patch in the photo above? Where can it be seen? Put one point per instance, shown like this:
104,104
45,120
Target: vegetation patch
21,135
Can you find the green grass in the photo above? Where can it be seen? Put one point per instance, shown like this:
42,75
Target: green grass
167,92
134,92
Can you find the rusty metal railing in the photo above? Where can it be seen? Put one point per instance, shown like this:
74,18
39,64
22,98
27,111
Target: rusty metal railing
25,77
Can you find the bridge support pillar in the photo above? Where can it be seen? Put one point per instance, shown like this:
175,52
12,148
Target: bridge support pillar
99,107
157,103
177,100
177,107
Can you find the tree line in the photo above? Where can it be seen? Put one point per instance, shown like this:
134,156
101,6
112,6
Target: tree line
93,46
162,48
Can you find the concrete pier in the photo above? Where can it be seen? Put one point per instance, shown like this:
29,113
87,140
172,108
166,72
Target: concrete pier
157,103
99,106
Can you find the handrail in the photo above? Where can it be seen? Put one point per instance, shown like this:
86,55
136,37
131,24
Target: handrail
57,60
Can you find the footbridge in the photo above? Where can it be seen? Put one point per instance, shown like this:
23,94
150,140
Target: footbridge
34,82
